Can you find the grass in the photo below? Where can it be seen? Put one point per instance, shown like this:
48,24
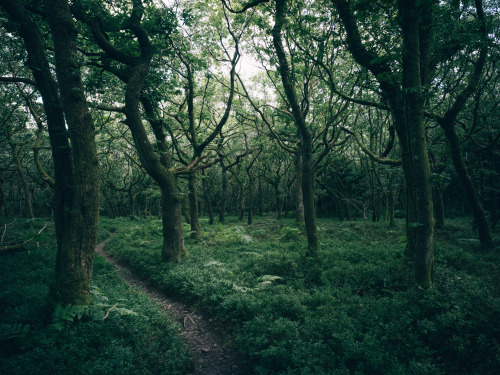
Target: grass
355,311
136,337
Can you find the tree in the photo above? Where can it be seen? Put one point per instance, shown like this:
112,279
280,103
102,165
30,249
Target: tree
200,127
75,166
405,97
448,122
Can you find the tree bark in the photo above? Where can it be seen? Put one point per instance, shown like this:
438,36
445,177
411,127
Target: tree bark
250,201
279,202
185,210
242,202
420,229
206,198
222,209
261,198
391,194
75,167
299,197
193,206
173,248
74,261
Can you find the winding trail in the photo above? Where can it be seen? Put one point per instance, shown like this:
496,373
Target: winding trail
211,349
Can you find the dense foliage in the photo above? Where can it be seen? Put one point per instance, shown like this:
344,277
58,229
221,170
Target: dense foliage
157,117
356,312
136,337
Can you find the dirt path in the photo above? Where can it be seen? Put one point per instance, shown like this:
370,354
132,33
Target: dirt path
210,348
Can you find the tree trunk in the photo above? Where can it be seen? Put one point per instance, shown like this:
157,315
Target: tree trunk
3,206
279,203
185,210
406,104
438,206
77,243
483,227
250,201
206,198
111,204
222,211
242,203
24,183
261,198
193,206
299,198
391,194
173,248
305,135
411,132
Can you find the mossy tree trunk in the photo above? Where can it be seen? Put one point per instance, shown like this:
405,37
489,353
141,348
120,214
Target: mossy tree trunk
77,241
173,248
406,104
75,168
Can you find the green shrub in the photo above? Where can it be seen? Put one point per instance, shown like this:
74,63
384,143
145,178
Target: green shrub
352,311
122,332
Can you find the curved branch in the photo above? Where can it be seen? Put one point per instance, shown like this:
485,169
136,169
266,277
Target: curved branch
247,6
366,150
18,80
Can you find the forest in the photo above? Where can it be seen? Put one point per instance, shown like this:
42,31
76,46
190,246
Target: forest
250,187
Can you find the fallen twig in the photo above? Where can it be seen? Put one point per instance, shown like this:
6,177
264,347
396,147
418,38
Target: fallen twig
107,313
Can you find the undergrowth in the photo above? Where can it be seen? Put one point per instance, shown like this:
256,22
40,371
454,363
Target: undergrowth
355,311
123,332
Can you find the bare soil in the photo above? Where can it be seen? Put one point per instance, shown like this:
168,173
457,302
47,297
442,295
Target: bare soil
212,350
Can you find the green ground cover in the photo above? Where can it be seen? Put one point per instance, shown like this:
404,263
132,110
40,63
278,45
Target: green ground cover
355,311
36,338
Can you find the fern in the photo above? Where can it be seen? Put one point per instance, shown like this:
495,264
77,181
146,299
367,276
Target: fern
63,315
14,331
16,334
266,280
